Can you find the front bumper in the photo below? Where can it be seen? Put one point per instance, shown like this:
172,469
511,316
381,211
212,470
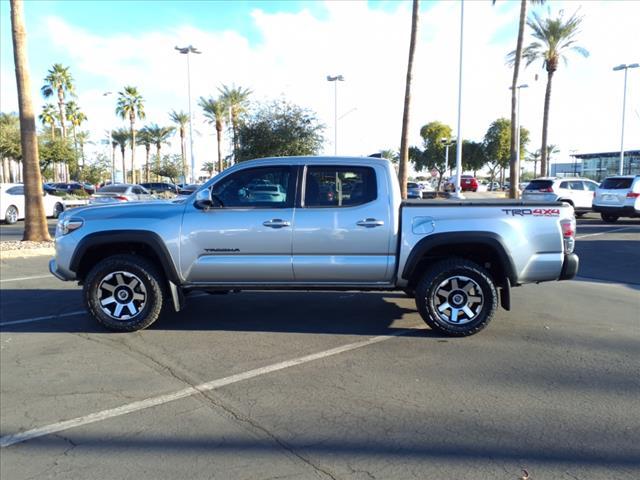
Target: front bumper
59,273
621,211
569,267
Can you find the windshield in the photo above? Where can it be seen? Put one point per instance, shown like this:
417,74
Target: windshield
539,185
616,183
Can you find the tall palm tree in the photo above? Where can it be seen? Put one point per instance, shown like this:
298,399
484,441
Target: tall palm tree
83,138
131,105
49,116
145,138
181,119
209,167
514,169
59,82
35,222
535,158
121,137
215,111
236,100
404,140
551,150
159,136
76,117
555,38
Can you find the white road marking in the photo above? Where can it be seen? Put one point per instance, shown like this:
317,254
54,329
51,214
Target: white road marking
602,233
20,279
38,319
9,440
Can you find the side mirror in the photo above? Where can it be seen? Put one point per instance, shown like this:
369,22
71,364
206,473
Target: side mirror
203,199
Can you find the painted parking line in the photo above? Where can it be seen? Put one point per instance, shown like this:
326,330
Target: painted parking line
39,319
150,402
603,233
21,279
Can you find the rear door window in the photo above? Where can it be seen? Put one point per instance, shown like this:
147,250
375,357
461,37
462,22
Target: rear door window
539,185
576,185
336,186
616,183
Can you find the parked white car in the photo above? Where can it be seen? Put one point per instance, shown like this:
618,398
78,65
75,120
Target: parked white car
618,197
578,192
12,203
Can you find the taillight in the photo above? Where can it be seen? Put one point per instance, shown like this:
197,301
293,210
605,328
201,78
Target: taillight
546,190
633,195
568,234
124,199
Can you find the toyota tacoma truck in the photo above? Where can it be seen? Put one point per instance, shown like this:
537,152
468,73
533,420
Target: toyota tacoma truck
312,223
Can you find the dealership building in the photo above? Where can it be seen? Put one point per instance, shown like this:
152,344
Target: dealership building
598,165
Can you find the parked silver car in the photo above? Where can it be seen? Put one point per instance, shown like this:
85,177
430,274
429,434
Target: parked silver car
120,192
617,197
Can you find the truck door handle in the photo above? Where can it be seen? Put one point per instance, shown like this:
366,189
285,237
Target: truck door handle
276,223
370,223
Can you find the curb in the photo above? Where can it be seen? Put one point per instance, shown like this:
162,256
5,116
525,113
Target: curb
27,252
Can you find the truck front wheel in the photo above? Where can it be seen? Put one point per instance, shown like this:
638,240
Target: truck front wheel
124,293
456,297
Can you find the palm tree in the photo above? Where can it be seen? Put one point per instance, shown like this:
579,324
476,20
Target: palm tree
235,99
209,167
159,135
76,117
534,157
144,138
514,169
49,116
404,140
181,119
121,137
215,111
83,138
551,150
555,38
131,105
59,82
35,222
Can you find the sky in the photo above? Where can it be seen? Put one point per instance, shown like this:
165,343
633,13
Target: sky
286,49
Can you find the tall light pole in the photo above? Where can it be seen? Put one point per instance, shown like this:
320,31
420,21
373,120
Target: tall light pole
447,142
458,191
624,105
517,142
186,51
335,79
113,163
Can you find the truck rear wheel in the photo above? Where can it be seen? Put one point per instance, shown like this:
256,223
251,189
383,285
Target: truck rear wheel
456,297
124,293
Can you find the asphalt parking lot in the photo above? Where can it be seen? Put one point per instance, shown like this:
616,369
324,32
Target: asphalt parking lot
328,385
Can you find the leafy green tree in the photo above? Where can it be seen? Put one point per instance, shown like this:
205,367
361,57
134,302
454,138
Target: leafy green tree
59,82
497,145
236,100
181,119
215,112
555,38
434,137
98,170
391,155
131,106
280,129
169,167
121,138
56,151
474,156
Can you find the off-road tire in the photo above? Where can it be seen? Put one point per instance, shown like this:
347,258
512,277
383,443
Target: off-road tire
468,275
129,268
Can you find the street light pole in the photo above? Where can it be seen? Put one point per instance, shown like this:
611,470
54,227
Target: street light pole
186,51
335,79
458,190
624,105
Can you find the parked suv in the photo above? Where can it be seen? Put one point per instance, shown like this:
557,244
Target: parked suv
578,192
618,197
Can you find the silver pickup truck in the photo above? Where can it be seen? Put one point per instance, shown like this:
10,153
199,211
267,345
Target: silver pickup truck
313,223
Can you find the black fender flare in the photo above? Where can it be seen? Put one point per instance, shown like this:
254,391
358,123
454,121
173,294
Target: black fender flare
489,239
143,237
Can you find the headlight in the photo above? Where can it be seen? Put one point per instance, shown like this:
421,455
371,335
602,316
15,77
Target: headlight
67,225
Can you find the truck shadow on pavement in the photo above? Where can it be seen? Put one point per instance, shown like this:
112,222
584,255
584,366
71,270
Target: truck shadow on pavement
338,313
